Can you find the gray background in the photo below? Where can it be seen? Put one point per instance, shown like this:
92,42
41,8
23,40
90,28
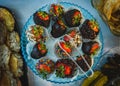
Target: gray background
24,8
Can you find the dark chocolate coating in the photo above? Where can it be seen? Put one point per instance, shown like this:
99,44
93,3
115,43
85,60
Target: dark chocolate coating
86,47
36,54
82,63
57,30
69,63
41,22
68,16
87,32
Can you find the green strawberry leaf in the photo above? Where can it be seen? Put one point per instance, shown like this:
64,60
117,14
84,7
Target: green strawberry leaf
60,71
44,73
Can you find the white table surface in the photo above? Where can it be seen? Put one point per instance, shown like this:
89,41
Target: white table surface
23,9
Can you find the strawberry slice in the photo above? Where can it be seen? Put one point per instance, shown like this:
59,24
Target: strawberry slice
65,47
43,16
77,13
66,38
45,67
67,70
95,29
39,47
94,47
72,33
43,51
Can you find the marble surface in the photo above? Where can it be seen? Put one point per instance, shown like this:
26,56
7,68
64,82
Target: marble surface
23,9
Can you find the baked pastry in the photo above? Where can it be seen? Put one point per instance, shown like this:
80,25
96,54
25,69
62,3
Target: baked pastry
83,64
16,64
7,18
13,41
4,57
8,80
3,33
90,47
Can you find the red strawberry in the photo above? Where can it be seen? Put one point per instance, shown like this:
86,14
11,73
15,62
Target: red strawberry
77,13
45,67
67,70
43,15
65,47
66,38
72,33
43,51
39,47
94,47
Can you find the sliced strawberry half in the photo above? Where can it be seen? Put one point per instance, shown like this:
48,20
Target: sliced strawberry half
67,70
94,47
66,47
72,33
45,68
66,38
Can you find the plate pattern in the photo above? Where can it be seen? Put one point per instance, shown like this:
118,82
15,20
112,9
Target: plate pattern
31,62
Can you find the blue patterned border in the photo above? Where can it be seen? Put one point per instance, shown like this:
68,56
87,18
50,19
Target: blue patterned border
24,43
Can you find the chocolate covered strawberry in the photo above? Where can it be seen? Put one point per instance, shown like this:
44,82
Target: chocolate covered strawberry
89,29
58,29
45,67
41,18
65,68
56,11
73,18
39,50
66,47
90,47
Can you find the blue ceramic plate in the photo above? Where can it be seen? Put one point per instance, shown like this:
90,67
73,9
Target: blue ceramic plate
27,46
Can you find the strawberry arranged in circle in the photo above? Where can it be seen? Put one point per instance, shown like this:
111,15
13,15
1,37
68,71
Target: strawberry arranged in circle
90,47
66,46
66,38
89,29
58,29
65,68
73,18
39,50
82,63
36,33
41,18
56,11
45,67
